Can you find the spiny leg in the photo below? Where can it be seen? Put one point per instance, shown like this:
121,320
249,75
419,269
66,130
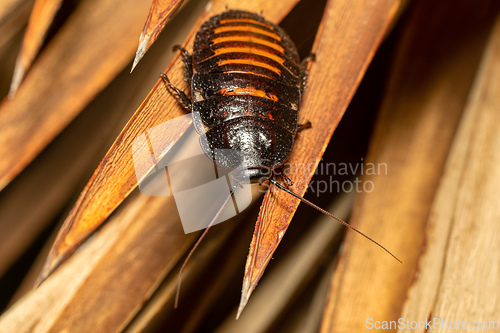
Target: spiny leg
179,94
303,126
304,71
188,63
303,85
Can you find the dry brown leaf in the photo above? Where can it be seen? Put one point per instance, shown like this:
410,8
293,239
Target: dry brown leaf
205,279
462,233
432,73
111,278
13,17
73,68
159,15
41,17
8,7
61,170
115,273
345,44
280,287
115,177
55,176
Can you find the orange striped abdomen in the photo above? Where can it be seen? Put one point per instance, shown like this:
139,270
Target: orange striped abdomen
242,42
245,89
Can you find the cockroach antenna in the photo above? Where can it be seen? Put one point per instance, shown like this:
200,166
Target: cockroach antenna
179,277
281,187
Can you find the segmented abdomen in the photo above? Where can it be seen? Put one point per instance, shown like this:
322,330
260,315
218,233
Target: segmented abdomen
241,42
245,88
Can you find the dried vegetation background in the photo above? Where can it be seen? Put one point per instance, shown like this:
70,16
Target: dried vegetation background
417,86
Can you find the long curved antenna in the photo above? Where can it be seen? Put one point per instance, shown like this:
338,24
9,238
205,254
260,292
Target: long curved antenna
281,187
179,277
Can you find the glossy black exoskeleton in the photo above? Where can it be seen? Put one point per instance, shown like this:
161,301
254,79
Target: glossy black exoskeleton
246,83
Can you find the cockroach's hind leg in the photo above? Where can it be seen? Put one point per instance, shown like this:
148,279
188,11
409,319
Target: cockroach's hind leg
179,94
188,62
304,72
305,64
303,126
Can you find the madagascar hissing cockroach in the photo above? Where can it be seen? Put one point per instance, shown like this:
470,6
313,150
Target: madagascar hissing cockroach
246,83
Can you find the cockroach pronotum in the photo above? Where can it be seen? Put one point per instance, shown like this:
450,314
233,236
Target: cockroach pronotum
246,84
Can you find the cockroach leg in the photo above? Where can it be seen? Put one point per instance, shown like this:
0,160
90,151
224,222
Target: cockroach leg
304,72
303,126
179,94
188,63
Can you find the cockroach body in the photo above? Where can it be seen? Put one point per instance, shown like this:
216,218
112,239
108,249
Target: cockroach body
246,83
